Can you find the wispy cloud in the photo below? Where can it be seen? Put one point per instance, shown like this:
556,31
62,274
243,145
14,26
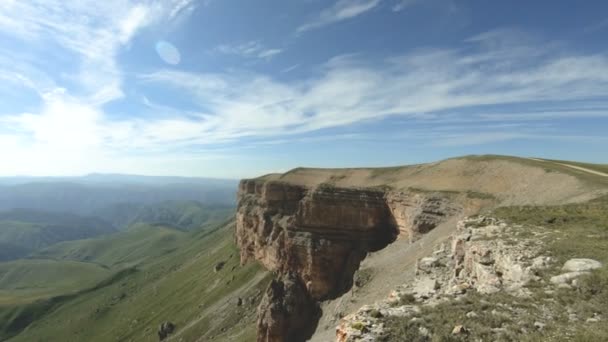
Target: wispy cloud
435,86
403,4
252,49
340,11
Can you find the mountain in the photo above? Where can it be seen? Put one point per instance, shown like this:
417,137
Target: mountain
184,215
23,231
85,195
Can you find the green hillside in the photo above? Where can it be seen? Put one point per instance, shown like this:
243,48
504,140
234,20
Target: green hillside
184,215
28,230
180,285
27,280
124,249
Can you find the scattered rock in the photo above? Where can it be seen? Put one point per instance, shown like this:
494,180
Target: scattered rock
218,267
460,330
471,314
581,265
424,332
425,287
426,264
539,325
165,329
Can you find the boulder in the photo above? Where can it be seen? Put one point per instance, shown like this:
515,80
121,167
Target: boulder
566,278
165,329
580,265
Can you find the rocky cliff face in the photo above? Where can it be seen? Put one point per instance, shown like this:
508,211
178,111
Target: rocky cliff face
317,238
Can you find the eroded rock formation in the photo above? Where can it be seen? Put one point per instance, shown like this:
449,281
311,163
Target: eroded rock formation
318,237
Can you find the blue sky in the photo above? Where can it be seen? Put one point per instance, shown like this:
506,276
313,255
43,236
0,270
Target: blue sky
229,88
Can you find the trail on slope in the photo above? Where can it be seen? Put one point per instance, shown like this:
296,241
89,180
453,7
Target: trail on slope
584,169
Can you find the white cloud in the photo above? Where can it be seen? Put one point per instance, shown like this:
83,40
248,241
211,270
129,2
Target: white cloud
403,4
252,49
430,86
340,11
93,32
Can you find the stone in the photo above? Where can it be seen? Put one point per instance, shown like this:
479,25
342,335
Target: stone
426,264
580,265
425,287
283,312
165,329
471,314
565,278
424,332
400,311
460,330
539,325
218,267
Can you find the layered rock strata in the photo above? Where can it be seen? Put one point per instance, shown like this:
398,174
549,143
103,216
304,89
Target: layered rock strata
318,237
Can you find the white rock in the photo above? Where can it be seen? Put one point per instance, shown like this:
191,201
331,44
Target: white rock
580,265
566,277
427,263
425,287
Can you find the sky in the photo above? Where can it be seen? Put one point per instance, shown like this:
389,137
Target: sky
240,88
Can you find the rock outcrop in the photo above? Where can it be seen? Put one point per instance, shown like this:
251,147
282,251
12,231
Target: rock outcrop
280,313
319,236
480,259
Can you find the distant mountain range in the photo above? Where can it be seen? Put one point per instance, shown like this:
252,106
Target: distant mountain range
89,194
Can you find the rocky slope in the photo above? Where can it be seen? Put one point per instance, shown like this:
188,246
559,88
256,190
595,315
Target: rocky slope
481,258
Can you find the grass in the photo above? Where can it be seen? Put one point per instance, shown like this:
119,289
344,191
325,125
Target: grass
179,286
125,249
568,231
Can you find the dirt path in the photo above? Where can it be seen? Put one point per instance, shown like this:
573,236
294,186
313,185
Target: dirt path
391,267
597,173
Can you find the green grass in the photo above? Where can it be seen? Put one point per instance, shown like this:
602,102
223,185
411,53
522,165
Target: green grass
30,230
24,281
132,247
180,286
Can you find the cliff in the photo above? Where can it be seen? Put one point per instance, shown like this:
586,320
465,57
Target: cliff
315,238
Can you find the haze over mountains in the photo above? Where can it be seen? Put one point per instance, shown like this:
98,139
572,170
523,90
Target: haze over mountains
39,212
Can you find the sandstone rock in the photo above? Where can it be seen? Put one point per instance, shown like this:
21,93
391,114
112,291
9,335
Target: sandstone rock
165,329
580,265
287,312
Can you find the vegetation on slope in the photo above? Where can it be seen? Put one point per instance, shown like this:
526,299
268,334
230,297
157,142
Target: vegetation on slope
26,230
181,286
184,215
125,249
